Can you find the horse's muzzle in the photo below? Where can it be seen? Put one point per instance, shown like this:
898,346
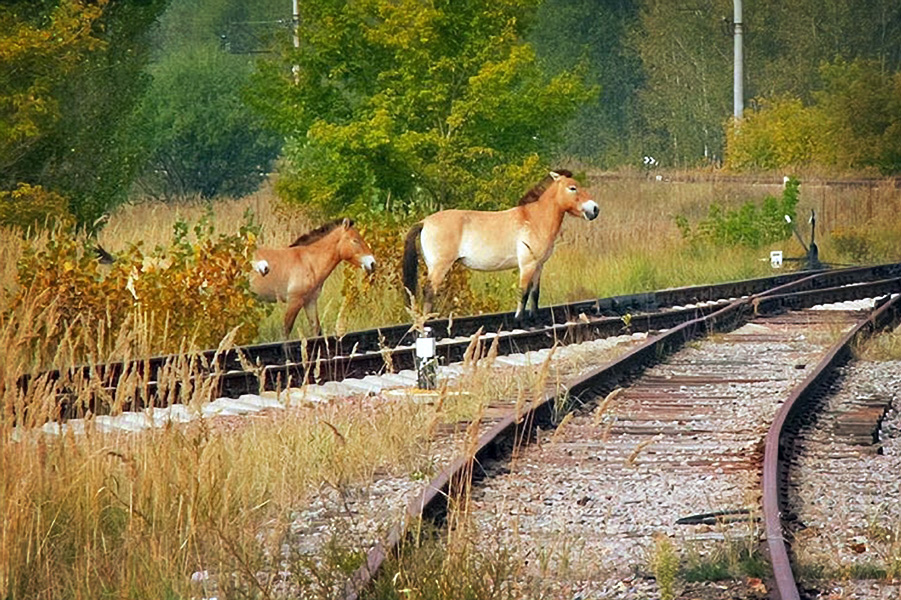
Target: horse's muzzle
261,267
368,263
590,210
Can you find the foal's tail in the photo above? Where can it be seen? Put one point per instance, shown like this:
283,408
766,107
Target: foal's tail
411,261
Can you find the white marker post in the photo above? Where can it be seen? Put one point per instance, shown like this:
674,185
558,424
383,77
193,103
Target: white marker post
776,259
426,363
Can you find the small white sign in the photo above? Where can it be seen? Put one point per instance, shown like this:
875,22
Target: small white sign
776,259
425,347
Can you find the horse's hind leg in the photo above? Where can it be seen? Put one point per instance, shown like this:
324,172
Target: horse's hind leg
536,291
437,273
528,281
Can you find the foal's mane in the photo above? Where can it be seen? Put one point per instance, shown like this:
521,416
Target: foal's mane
318,233
535,193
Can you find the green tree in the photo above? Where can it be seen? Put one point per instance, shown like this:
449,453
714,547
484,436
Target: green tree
442,103
687,60
606,131
199,134
71,72
860,104
787,42
203,139
40,46
853,123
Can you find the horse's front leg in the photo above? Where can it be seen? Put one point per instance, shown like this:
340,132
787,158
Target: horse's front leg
294,305
526,275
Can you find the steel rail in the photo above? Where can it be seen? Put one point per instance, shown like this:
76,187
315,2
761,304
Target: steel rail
251,368
372,340
515,429
319,370
774,460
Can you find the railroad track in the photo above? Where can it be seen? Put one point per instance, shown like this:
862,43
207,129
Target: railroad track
162,380
837,455
693,432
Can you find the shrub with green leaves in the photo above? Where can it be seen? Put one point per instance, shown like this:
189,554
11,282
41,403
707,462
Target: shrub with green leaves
750,225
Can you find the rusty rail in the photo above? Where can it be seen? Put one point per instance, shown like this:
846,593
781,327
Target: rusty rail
360,353
773,466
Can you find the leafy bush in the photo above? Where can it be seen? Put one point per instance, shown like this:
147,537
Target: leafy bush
749,225
190,294
202,138
854,244
854,123
781,133
32,206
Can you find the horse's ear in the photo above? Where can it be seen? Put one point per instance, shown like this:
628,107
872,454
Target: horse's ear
555,175
347,223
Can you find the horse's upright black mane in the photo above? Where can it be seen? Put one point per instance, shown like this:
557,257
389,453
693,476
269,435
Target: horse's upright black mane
535,193
318,233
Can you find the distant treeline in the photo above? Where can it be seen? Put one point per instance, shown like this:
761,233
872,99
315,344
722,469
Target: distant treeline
383,106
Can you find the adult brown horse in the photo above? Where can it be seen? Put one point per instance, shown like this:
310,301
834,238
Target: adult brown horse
493,241
295,274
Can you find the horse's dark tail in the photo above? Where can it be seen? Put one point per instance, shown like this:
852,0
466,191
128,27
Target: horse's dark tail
411,262
103,257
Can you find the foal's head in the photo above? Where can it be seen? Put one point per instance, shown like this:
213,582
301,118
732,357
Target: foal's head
571,198
353,248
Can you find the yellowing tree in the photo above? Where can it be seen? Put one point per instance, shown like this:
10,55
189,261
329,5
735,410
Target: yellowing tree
38,50
430,104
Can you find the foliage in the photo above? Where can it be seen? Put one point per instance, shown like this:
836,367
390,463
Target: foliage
854,244
665,564
202,138
31,207
873,242
39,48
687,93
861,105
781,133
190,294
433,566
74,73
606,130
388,103
854,123
687,58
748,225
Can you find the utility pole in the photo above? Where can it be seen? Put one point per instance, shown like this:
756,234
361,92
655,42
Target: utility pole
738,105
295,25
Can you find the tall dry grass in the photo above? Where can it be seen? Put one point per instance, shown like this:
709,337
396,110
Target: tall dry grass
136,515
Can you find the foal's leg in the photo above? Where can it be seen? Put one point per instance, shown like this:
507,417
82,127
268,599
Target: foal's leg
313,313
295,303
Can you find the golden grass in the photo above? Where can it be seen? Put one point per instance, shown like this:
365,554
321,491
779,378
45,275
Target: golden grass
97,513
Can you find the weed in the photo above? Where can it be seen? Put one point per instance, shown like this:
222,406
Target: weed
665,566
